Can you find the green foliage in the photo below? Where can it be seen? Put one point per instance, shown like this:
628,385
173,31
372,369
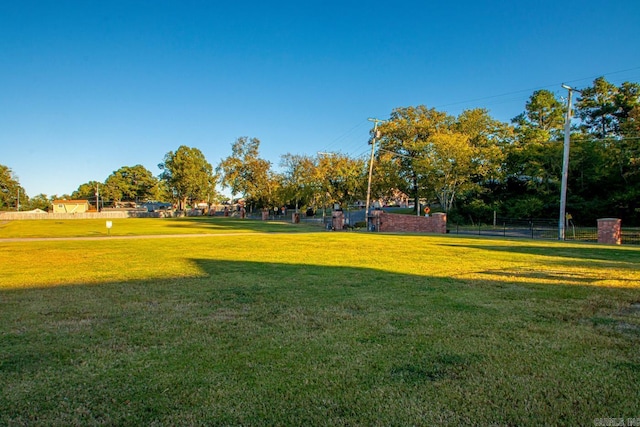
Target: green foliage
90,191
477,209
132,183
464,164
11,193
603,108
543,112
40,201
188,175
245,173
439,156
299,183
406,136
524,207
342,179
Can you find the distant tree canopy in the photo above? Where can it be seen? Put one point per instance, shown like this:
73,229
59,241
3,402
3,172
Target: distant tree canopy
11,193
246,174
128,183
188,176
133,183
433,155
471,166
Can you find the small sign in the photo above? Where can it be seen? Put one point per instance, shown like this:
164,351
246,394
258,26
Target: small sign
109,224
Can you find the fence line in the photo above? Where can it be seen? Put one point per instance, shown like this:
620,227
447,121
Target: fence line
540,229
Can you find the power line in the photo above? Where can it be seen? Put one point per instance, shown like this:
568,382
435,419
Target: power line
344,135
553,85
357,144
530,90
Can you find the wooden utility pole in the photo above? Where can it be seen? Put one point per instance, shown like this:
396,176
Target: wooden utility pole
376,135
565,166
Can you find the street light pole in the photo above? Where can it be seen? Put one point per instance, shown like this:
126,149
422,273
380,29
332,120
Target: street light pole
565,165
373,146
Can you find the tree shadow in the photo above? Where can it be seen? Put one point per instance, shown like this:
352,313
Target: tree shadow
324,344
624,257
238,224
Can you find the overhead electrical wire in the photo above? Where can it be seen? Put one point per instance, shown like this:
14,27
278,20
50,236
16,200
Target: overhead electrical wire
522,94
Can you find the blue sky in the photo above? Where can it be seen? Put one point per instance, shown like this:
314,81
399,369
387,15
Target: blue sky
87,87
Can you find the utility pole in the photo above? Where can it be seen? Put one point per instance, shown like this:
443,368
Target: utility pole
376,135
565,165
97,197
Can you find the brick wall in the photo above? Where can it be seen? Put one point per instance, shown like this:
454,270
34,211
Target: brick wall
436,223
609,231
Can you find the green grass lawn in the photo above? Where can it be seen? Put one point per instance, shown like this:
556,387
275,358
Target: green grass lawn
318,329
144,226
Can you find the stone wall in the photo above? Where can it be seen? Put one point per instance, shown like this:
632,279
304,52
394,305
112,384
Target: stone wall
383,221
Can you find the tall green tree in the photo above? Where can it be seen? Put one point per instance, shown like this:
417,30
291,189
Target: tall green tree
406,135
342,179
488,137
91,191
533,159
188,175
12,194
450,166
544,112
40,201
245,173
131,183
609,122
299,183
598,110
440,156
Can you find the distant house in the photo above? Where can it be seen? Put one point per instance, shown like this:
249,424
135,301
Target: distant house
70,206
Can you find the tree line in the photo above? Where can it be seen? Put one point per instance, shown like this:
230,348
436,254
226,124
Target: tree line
470,166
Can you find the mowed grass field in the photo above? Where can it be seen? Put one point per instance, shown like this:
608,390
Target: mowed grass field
144,226
317,328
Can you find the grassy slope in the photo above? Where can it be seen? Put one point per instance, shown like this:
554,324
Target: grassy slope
321,328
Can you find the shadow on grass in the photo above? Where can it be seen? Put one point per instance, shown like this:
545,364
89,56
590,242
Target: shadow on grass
237,224
625,257
269,343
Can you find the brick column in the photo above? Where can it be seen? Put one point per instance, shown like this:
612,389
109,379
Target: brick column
338,220
609,231
439,220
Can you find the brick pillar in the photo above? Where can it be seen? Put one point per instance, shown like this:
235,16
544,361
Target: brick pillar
609,231
265,214
439,220
338,220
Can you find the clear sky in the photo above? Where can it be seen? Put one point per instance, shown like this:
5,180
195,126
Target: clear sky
89,86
